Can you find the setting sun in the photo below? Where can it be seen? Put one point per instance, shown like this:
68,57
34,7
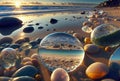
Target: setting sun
17,4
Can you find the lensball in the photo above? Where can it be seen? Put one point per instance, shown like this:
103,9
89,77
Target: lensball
61,50
8,57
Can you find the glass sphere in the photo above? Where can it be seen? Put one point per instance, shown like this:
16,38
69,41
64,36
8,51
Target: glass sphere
8,57
106,35
61,50
115,57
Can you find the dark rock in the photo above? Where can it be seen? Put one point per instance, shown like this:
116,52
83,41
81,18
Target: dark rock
6,40
34,44
28,29
40,27
27,70
38,40
54,29
20,41
27,52
9,25
83,12
37,24
46,24
53,21
5,45
14,46
27,39
47,29
30,25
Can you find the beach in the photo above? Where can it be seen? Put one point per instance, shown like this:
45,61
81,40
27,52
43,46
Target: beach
68,21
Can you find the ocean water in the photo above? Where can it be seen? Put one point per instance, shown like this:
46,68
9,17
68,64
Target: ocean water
11,10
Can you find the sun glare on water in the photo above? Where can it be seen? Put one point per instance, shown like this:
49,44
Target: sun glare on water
17,4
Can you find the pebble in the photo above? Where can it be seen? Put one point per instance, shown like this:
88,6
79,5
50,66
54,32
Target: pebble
91,49
14,46
8,40
53,21
28,29
97,70
27,70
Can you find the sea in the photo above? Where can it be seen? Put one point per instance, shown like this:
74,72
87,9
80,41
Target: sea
11,10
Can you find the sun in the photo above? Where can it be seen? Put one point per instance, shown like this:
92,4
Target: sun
17,4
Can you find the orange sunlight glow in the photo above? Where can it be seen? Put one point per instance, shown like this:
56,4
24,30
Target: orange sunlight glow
17,4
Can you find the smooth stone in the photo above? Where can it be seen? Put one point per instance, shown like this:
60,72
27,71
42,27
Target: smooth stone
9,25
27,52
91,48
27,39
53,21
28,29
35,56
5,45
20,41
33,43
23,78
60,74
37,24
35,62
108,80
6,40
97,70
14,46
54,29
27,70
83,12
26,59
30,24
40,27
38,40
27,63
4,78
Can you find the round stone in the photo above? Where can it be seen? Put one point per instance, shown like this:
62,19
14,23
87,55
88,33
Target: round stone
60,74
28,29
91,48
97,70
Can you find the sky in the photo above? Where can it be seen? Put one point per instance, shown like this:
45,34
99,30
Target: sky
76,1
